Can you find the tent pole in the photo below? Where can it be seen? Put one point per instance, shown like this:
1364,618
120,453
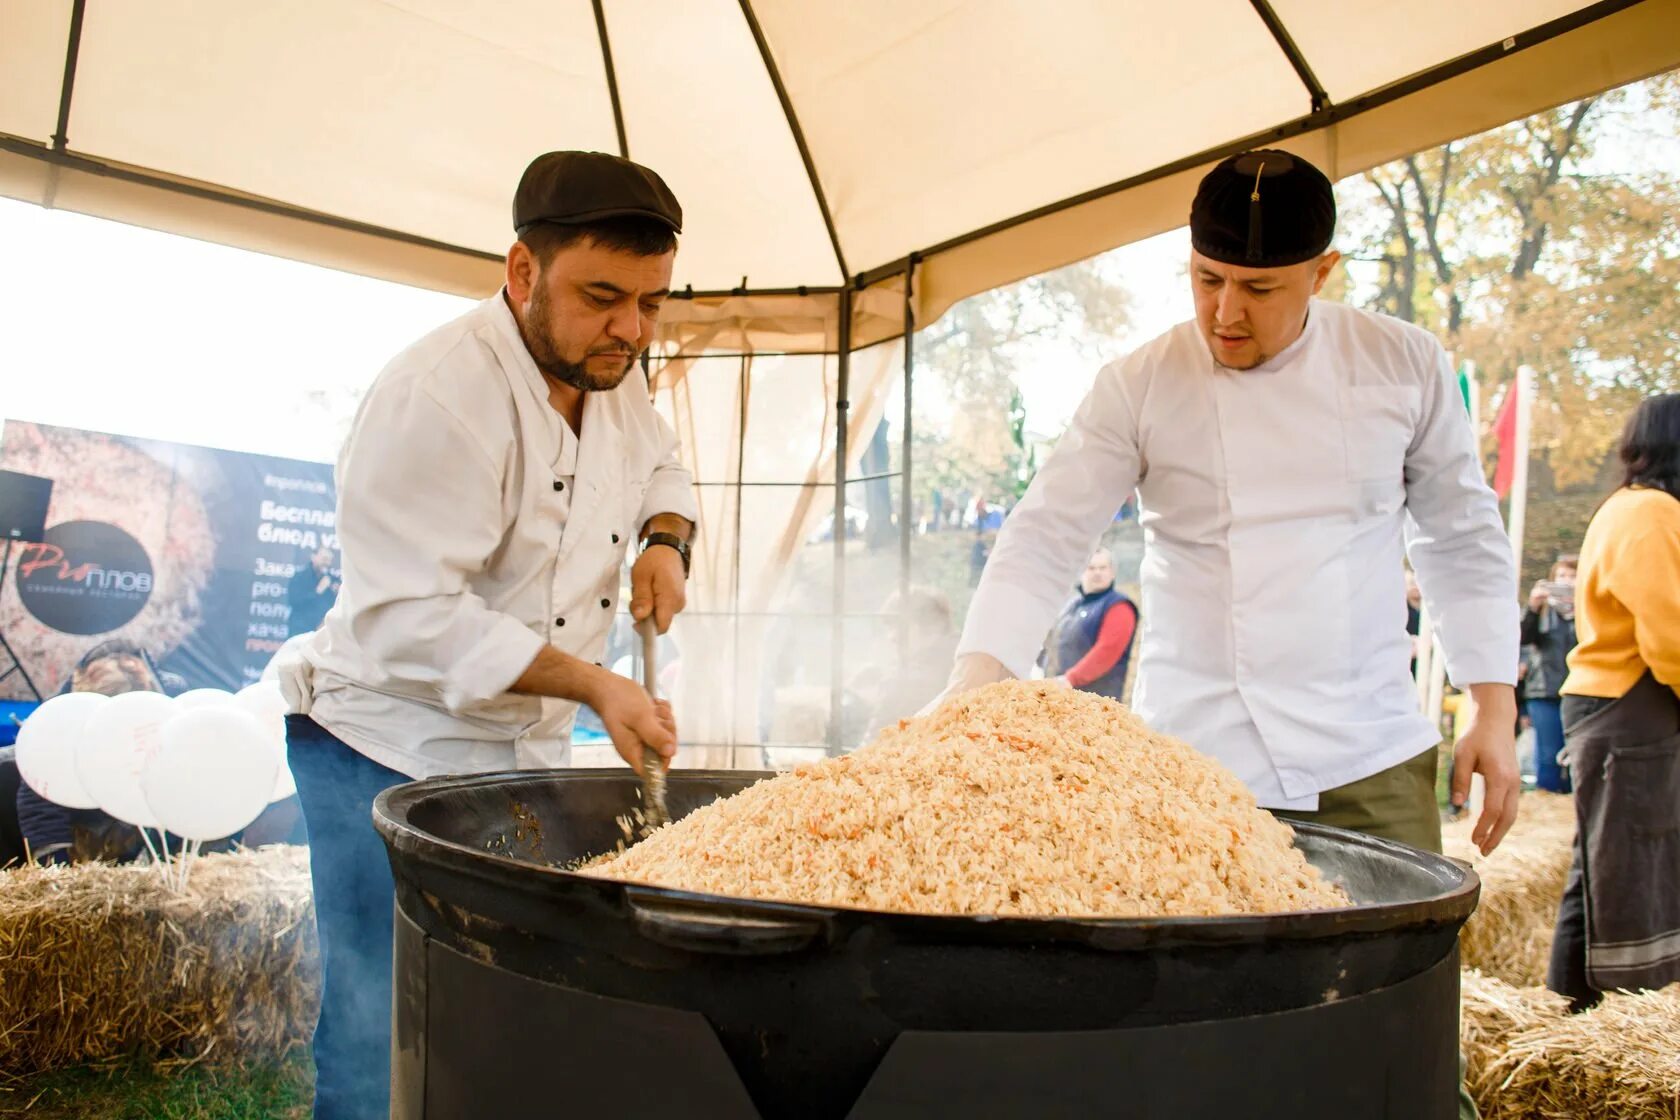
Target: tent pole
907,509
842,410
72,52
743,394
612,78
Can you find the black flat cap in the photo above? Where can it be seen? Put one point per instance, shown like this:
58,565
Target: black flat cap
573,187
1263,209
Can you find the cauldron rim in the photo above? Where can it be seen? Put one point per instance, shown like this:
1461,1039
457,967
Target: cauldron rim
406,841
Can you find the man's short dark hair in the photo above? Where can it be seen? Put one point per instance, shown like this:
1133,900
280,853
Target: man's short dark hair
644,237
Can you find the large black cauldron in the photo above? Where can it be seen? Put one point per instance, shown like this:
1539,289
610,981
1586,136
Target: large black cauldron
525,991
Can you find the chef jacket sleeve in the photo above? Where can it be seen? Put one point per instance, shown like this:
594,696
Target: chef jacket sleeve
1457,544
672,487
1046,541
420,511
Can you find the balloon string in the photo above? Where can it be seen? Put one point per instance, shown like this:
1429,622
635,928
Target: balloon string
158,863
186,862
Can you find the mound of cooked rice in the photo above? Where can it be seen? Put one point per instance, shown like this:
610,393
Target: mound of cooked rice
1019,798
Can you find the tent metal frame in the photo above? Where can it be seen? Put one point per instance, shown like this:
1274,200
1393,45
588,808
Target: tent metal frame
1323,113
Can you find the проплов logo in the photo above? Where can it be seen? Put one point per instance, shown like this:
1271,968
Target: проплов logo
87,577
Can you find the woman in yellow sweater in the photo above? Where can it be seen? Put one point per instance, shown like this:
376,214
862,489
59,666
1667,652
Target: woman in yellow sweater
1619,922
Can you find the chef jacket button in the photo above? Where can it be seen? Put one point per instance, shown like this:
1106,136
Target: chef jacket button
606,603
558,485
615,538
559,622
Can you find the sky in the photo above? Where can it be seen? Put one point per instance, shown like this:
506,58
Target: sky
1056,375
119,329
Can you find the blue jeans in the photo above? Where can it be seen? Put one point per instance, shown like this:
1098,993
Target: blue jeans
1547,718
353,905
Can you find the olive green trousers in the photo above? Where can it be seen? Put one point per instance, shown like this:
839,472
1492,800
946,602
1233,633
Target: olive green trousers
1394,804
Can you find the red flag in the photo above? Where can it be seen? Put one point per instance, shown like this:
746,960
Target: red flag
1505,435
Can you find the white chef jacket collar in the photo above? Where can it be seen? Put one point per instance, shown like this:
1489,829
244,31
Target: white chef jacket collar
501,314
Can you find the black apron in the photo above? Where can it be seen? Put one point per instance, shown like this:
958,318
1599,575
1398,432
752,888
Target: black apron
1625,758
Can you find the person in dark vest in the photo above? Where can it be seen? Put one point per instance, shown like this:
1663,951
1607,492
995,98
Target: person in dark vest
1091,646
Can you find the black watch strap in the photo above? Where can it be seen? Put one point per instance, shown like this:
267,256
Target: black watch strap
670,540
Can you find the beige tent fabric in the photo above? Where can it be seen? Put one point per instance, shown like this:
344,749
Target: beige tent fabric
997,108
699,107
996,138
32,41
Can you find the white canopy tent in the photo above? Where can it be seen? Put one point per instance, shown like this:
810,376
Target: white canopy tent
845,169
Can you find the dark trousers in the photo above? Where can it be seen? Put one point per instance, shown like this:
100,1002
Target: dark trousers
353,903
1567,972
1547,718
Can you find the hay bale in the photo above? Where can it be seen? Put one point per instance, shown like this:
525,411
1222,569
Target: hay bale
1492,1011
1529,1059
1510,934
99,960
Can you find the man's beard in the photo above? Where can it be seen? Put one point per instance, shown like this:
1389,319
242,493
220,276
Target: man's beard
546,354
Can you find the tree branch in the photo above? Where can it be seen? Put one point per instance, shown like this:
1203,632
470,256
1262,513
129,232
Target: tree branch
1547,176
1446,172
1431,222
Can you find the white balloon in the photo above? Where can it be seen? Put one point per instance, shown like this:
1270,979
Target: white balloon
46,748
202,697
120,738
284,785
212,773
265,701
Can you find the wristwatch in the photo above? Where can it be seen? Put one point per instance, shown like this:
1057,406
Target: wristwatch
670,540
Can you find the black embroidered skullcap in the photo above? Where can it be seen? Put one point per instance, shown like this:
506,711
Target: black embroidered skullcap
1263,209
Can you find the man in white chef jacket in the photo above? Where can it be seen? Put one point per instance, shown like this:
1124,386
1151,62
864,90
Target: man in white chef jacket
495,476
1287,451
